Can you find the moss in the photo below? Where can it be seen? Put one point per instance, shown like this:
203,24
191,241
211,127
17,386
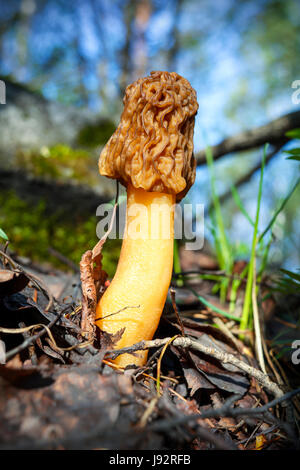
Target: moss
31,231
93,135
60,162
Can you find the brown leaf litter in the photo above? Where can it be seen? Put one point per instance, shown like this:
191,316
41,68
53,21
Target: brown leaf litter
58,391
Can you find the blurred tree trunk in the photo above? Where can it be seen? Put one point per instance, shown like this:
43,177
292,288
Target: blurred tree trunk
140,52
134,54
80,58
8,25
129,13
102,69
27,10
175,37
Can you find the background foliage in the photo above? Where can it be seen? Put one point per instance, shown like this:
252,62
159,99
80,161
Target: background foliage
241,57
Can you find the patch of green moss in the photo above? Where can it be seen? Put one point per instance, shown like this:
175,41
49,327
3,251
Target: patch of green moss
93,135
31,231
59,162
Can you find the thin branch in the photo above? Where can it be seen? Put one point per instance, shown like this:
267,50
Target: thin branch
273,132
223,357
227,410
31,340
63,259
245,178
173,299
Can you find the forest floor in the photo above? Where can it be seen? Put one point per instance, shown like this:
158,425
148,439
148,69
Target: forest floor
202,387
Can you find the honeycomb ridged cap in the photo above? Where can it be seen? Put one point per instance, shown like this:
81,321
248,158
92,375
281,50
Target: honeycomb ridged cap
152,147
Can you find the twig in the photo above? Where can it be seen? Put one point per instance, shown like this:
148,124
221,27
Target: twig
150,408
199,431
171,340
31,350
273,132
224,411
220,356
63,259
245,178
223,327
213,439
26,329
173,299
271,365
29,341
118,311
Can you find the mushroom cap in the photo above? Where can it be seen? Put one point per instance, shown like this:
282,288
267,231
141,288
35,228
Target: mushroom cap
152,148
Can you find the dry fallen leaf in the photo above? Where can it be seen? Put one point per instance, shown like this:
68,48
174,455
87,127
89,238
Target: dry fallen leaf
93,279
72,407
11,282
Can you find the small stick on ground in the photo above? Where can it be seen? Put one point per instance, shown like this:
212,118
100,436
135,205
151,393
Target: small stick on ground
223,357
31,350
227,410
173,299
31,340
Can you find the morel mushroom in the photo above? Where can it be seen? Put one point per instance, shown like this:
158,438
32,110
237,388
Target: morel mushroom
151,154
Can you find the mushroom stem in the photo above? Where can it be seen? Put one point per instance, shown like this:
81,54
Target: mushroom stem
139,288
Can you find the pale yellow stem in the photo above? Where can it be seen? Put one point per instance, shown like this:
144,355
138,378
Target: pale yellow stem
139,288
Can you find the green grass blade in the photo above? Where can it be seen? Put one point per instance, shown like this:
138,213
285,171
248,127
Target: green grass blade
3,235
291,274
218,213
221,243
248,293
213,307
277,212
176,265
234,288
293,134
295,151
264,260
240,205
